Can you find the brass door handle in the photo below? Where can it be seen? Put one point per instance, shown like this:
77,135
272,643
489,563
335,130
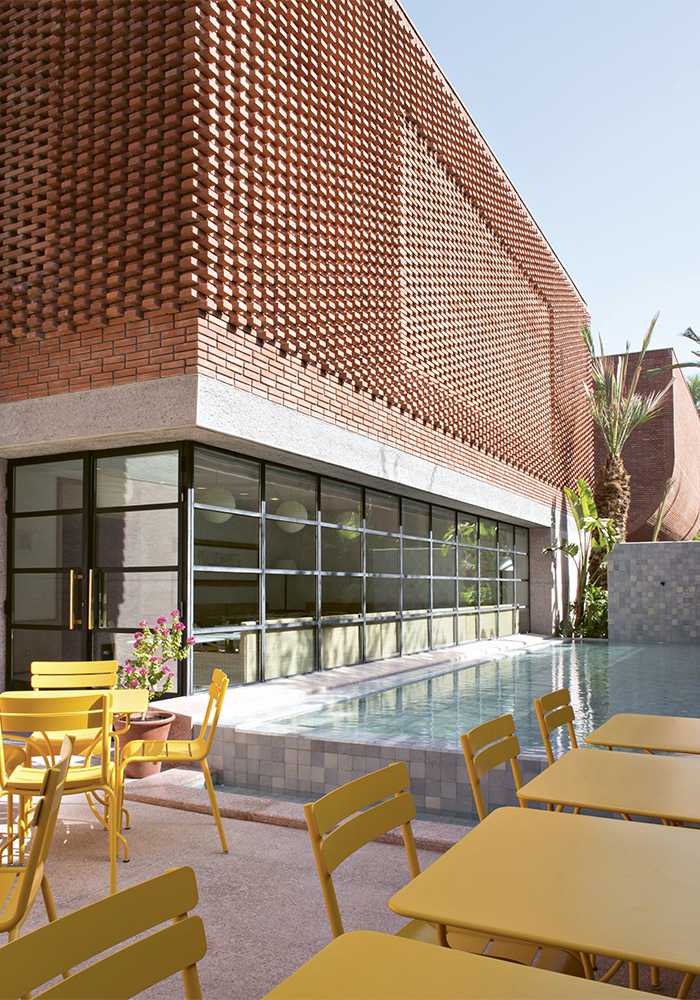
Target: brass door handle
90,621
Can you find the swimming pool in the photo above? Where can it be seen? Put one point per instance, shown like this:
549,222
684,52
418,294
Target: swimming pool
431,712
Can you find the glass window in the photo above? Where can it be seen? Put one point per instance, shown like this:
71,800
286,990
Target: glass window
290,597
522,566
507,592
488,593
341,595
416,595
416,557
54,540
522,539
289,652
382,552
489,564
138,538
341,550
225,599
133,480
444,559
414,634
505,565
41,644
225,481
505,535
290,549
444,524
381,640
468,594
233,542
382,596
522,593
341,503
382,511
415,518
341,645
49,486
122,600
467,561
289,493
444,595
236,653
488,533
444,632
467,529
41,599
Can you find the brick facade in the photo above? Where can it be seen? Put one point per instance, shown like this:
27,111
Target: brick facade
286,197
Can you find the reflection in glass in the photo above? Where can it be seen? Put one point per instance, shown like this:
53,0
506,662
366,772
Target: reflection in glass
290,597
341,595
444,559
468,594
522,566
225,599
381,640
489,564
122,600
236,653
467,526
235,542
290,493
289,652
416,557
444,595
444,524
416,595
341,503
48,486
138,538
382,554
341,550
505,535
522,539
468,561
225,481
415,518
505,564
41,644
382,596
54,540
488,533
522,593
507,592
132,480
41,598
341,646
285,551
488,593
382,511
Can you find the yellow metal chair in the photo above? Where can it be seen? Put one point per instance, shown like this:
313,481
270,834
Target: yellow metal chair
554,710
351,816
38,957
76,674
487,746
19,885
44,715
186,751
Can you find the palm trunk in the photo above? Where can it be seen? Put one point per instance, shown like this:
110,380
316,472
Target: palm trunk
612,499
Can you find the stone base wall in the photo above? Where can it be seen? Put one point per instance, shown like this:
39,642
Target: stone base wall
653,592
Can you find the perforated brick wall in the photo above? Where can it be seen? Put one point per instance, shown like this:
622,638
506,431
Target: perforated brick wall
286,196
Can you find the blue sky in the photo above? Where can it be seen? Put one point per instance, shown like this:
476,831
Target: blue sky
592,108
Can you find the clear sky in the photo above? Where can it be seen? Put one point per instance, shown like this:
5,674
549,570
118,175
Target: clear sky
592,108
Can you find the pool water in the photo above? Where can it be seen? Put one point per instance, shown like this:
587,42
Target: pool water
603,678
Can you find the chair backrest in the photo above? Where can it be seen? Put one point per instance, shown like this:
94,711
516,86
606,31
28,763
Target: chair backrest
40,715
44,823
66,674
554,710
70,941
349,817
217,690
487,746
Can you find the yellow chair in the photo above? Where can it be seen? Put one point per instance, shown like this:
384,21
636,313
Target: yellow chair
33,960
554,710
76,674
351,816
186,751
44,715
19,885
487,746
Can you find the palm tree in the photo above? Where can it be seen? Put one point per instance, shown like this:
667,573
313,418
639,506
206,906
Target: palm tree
618,409
693,383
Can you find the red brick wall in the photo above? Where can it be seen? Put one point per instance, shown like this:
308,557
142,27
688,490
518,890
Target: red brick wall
288,197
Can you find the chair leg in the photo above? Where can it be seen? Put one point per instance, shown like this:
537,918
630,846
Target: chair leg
214,805
190,981
688,981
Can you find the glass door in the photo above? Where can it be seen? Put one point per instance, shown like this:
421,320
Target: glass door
95,550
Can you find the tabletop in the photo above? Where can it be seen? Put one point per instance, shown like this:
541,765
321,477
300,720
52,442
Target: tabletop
366,965
632,783
625,890
655,733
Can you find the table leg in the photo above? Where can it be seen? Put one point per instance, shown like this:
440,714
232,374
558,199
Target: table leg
634,976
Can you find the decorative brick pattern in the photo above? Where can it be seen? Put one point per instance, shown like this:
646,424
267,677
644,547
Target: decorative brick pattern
286,196
654,592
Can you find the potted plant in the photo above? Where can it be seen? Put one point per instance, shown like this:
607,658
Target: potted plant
148,668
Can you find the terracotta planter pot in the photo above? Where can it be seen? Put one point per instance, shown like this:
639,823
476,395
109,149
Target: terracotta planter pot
154,725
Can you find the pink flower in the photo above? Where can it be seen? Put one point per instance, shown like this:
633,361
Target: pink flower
162,620
134,683
130,670
138,635
174,614
143,671
143,624
190,641
179,627
168,672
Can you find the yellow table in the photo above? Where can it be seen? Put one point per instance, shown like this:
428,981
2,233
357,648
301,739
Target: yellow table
365,965
625,890
632,783
653,733
125,701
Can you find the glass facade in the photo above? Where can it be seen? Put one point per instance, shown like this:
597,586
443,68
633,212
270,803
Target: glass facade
276,571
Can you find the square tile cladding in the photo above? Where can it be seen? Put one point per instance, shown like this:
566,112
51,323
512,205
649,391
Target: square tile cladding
285,196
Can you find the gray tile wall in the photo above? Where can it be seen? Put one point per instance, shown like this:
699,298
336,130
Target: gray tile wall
653,591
